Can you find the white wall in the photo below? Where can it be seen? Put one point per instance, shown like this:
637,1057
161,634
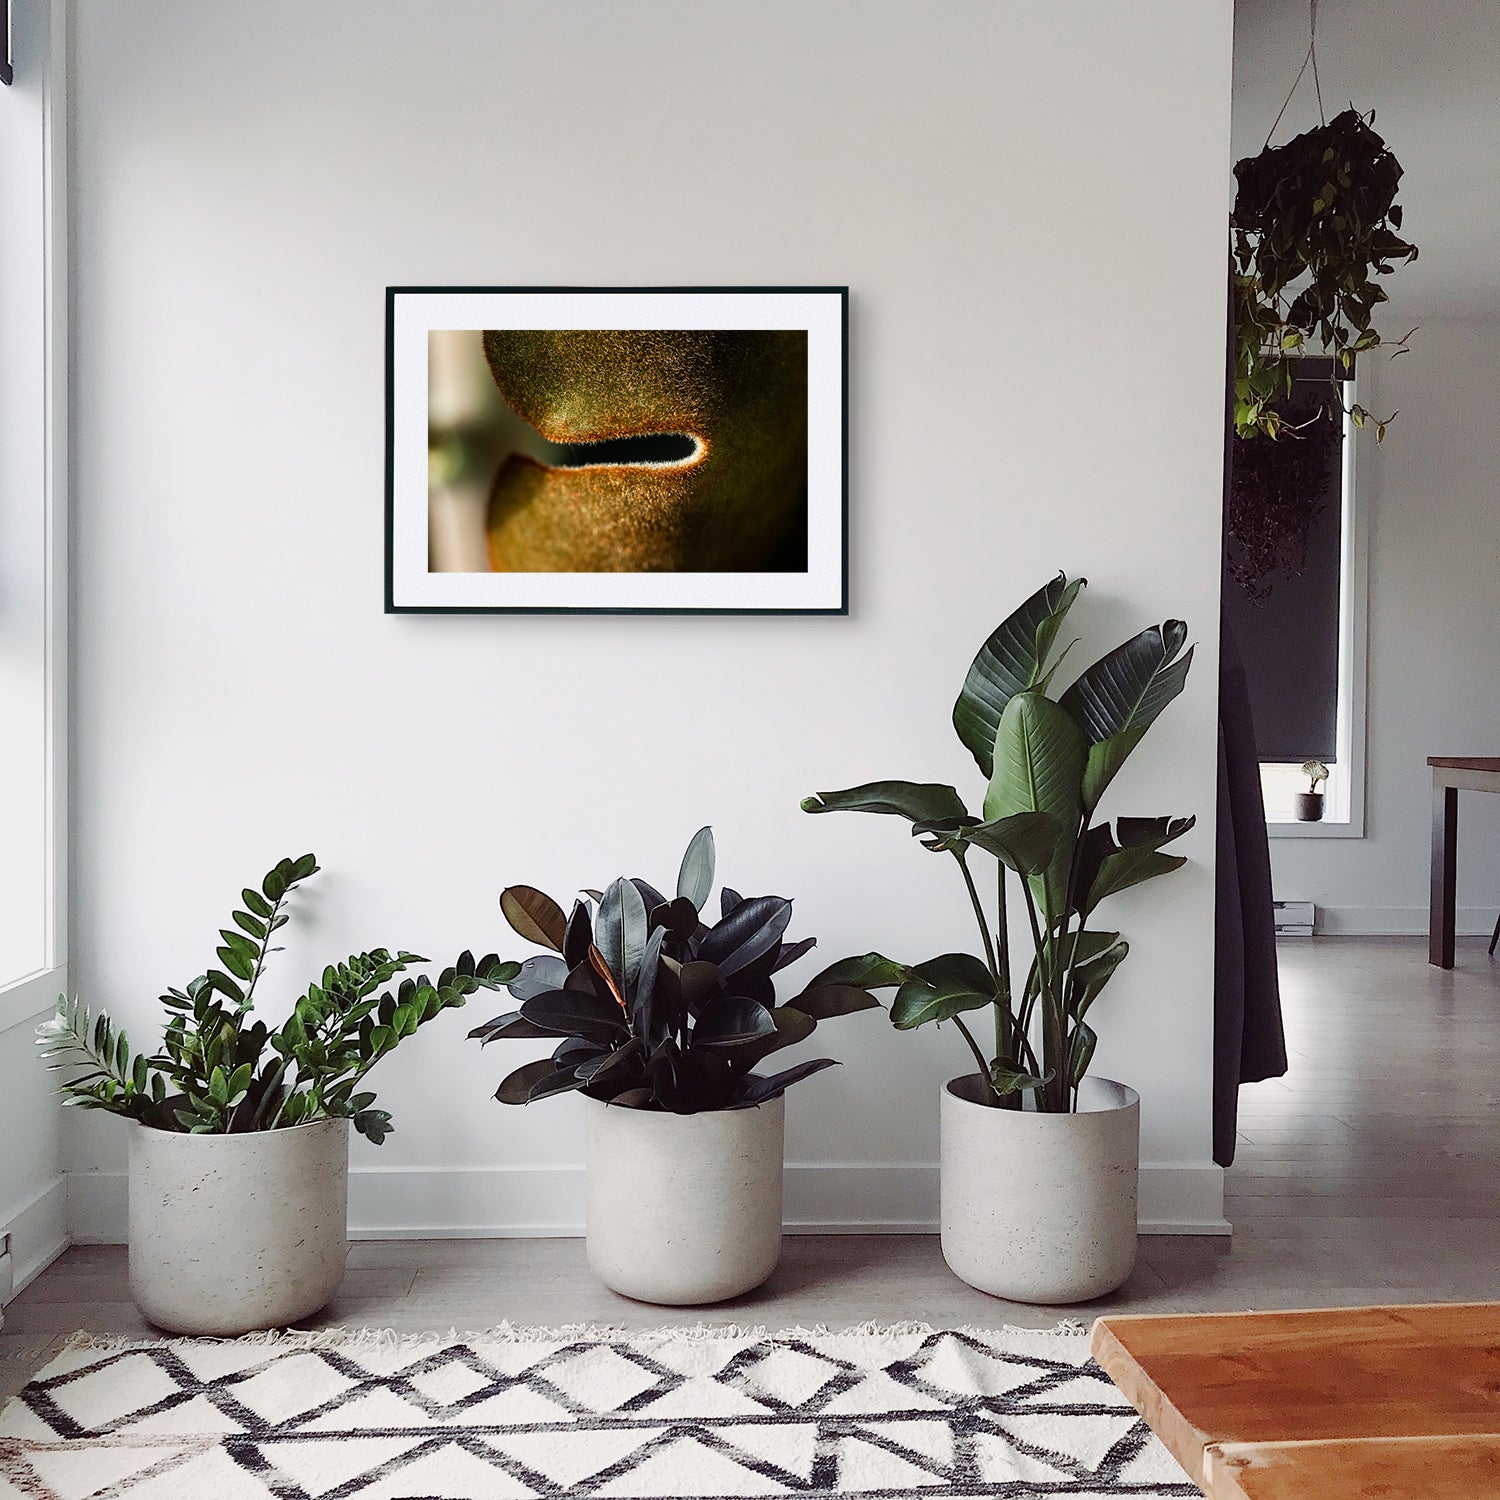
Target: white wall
1434,667
1429,490
1028,204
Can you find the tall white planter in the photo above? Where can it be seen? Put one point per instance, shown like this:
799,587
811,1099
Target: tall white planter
684,1209
230,1233
1041,1207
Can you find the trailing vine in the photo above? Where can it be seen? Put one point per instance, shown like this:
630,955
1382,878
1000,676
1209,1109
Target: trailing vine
1314,222
1314,225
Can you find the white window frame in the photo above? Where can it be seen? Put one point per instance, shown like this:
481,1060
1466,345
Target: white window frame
1344,791
29,995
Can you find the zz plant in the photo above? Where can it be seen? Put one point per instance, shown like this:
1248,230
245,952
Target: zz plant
221,1071
657,1009
1048,762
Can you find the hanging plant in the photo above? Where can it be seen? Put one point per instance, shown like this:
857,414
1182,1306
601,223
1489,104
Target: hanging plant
1314,225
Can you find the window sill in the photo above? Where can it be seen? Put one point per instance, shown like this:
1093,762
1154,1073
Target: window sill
1327,828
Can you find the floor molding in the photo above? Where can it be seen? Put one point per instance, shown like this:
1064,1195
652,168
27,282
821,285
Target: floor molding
1398,921
539,1202
38,1229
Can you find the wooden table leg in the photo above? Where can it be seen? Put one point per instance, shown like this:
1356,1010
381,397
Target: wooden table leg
1443,898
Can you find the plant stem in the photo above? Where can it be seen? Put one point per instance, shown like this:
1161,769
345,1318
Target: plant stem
1005,1020
984,930
1052,1059
1065,998
265,948
984,1067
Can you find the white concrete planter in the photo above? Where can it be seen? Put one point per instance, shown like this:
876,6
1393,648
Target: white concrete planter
230,1233
684,1209
1041,1207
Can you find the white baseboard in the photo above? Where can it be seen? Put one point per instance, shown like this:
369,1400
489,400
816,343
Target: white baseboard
1399,921
537,1202
38,1229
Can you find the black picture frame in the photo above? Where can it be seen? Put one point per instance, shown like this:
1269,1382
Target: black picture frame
409,587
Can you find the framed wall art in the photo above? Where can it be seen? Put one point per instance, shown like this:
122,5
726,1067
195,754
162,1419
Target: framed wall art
666,450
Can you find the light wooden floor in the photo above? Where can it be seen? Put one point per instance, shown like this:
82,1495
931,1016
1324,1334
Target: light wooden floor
1371,1173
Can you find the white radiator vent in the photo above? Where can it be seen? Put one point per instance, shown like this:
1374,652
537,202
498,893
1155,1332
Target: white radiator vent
1295,918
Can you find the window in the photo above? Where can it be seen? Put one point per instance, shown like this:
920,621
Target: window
33,544
1295,597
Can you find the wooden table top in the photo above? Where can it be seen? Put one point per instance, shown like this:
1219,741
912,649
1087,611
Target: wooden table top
1432,1467
1332,1376
1465,762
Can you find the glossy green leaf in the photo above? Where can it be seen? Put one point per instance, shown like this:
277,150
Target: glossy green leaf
757,1090
1005,1079
573,1013
1025,842
729,1020
1114,859
1013,660
621,931
940,989
921,802
1080,1052
578,935
695,877
792,1026
1118,699
516,1089
748,933
547,971
1039,763
868,971
825,1001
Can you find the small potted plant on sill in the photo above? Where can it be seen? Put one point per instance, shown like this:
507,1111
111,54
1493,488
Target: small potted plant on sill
239,1135
1040,1161
663,1019
1309,804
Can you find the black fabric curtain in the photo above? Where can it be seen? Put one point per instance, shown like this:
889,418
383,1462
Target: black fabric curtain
1249,1043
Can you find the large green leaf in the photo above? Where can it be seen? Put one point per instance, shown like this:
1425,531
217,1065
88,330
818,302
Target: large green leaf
1011,661
1080,1052
1024,842
1040,756
731,1020
749,932
1114,859
940,989
868,971
825,1001
572,1013
517,1087
1118,698
1099,955
695,878
919,801
792,1026
757,1089
621,931
512,1025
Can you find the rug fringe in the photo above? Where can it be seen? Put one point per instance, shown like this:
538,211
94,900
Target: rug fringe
291,1339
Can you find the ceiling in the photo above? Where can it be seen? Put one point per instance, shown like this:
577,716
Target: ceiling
1431,71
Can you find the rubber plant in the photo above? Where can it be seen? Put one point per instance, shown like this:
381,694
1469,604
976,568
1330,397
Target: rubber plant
1047,763
657,1009
221,1071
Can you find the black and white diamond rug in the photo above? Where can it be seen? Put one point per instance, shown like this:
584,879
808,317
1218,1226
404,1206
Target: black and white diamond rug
874,1412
